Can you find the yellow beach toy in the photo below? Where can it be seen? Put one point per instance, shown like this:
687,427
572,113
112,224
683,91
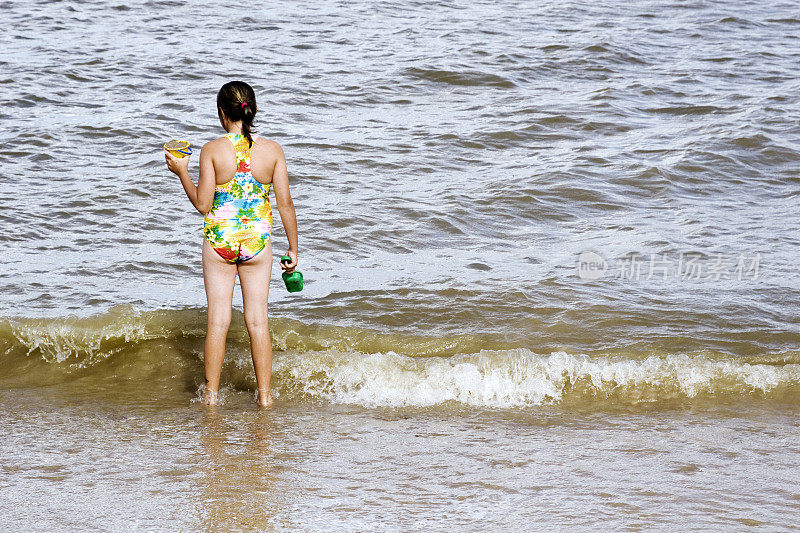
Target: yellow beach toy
178,148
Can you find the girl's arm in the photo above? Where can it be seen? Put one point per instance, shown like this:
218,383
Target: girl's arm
280,183
201,195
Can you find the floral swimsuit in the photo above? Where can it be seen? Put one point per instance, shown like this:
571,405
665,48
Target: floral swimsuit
239,224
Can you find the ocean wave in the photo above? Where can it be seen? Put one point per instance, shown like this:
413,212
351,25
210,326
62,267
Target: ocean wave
346,365
520,378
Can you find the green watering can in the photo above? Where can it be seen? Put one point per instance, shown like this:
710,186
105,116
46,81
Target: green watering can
293,281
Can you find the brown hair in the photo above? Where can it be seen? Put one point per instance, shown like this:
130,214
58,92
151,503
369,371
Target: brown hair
238,101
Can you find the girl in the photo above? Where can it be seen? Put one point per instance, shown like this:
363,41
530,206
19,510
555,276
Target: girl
236,172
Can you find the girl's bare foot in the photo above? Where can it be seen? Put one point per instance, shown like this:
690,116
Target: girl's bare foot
210,397
264,398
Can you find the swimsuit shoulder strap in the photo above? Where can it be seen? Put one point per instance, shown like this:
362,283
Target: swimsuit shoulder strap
240,146
233,138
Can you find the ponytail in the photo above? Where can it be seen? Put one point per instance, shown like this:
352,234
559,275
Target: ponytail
248,116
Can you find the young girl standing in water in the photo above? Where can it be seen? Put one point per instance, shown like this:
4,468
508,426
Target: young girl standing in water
236,172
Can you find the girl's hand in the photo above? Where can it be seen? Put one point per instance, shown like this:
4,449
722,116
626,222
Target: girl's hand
289,267
177,165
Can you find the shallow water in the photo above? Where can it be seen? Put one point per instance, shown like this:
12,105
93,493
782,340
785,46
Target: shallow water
455,359
310,466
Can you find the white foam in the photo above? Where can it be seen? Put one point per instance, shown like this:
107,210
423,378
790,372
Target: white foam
82,340
518,378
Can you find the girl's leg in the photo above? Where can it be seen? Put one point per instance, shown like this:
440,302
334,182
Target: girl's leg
219,277
254,277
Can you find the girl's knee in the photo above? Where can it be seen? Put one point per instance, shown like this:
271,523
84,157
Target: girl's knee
219,323
256,321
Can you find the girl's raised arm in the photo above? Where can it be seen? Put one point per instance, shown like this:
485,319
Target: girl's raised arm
202,195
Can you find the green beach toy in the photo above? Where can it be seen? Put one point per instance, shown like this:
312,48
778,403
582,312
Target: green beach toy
293,281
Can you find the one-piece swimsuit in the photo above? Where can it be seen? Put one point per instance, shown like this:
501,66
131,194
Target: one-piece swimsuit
239,224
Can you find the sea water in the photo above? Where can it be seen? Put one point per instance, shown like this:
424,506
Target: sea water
550,254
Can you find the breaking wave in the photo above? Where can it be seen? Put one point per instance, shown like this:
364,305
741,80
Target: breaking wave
354,366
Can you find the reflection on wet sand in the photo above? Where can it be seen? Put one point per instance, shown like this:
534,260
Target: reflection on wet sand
239,474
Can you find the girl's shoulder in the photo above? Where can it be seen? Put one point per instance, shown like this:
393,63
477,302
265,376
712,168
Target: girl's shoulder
217,142
216,145
266,146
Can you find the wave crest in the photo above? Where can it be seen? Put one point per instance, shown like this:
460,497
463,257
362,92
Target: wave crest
520,378
348,365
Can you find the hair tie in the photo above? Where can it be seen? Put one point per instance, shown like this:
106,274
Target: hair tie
244,104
